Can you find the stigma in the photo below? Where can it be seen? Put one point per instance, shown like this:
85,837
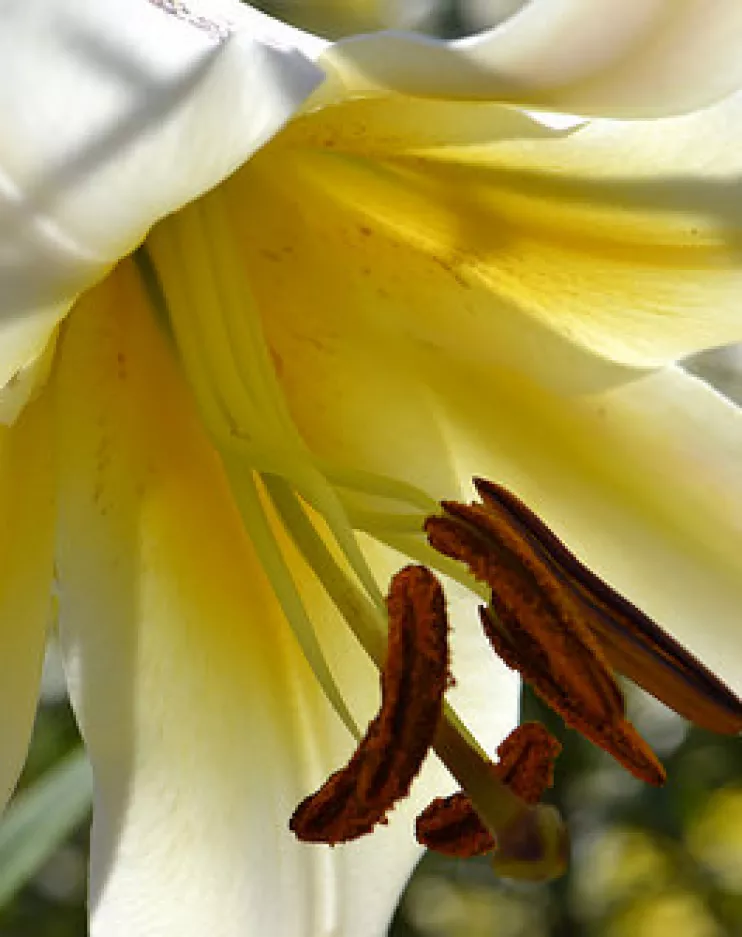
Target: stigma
567,633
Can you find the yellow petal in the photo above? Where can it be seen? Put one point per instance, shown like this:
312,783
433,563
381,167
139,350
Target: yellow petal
359,262
26,566
634,58
27,353
204,723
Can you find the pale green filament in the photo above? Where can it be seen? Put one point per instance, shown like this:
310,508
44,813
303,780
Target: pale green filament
216,325
418,549
248,501
223,319
380,522
381,486
367,622
217,329
245,490
454,744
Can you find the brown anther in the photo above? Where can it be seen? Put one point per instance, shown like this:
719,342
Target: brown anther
610,730
526,761
451,825
633,644
539,625
357,797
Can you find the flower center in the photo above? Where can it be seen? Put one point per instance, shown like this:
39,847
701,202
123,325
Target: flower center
560,626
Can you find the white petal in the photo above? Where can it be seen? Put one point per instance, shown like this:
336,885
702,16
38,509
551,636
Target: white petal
637,57
203,722
113,115
26,563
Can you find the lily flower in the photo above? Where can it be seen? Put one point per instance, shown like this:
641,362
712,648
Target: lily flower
265,301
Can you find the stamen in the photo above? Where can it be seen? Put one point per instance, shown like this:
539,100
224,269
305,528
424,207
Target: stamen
634,644
538,628
391,753
532,840
452,826
610,730
526,761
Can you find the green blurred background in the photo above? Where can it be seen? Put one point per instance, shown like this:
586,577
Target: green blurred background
645,863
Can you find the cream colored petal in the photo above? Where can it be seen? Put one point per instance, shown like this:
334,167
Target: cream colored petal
202,720
630,232
634,58
26,565
488,258
115,114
